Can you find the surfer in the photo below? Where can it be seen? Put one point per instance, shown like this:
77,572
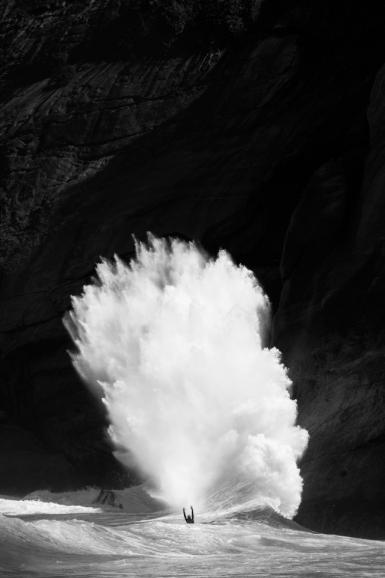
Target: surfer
189,519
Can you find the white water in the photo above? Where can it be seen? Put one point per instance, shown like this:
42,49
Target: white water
174,343
140,541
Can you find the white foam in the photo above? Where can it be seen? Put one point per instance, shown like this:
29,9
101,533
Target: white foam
24,507
174,344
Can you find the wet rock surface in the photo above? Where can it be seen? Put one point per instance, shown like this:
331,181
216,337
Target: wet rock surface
257,128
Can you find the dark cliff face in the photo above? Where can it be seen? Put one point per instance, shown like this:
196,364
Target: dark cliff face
252,126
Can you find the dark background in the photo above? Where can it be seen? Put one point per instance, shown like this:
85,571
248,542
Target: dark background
254,126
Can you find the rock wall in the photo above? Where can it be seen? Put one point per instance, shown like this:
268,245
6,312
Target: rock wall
332,303
254,126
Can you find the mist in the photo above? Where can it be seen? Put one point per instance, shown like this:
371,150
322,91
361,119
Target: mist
174,343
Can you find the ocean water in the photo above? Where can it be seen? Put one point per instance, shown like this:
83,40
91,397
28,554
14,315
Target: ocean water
61,535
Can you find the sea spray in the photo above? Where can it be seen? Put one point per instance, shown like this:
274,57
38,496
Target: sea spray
173,342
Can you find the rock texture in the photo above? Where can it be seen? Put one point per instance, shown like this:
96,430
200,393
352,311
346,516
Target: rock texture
254,126
332,302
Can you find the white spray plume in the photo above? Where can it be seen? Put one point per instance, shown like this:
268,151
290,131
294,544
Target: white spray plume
174,344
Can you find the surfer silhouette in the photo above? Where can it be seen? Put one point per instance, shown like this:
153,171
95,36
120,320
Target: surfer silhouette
189,519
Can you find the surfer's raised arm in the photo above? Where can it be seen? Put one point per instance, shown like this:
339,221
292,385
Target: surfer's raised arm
189,519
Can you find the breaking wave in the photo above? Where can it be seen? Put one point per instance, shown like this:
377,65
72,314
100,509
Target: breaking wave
175,345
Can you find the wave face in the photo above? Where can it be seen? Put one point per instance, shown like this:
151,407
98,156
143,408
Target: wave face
174,344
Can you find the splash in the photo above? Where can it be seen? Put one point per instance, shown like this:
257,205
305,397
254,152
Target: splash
174,343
